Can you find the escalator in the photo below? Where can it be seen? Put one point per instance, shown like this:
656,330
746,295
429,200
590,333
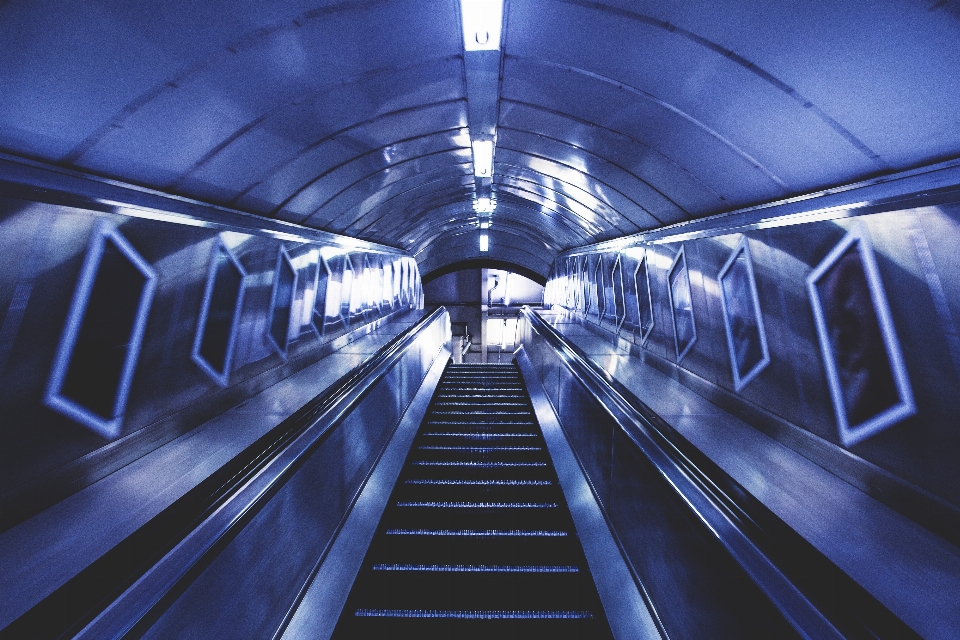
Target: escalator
476,540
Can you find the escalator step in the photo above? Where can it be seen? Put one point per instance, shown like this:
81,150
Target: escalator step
476,540
474,533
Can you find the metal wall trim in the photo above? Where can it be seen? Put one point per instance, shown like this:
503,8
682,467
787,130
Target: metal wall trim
629,610
316,612
921,506
39,494
927,186
40,182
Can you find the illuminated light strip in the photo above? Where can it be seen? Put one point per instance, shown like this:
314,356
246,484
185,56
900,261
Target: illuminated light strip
474,615
432,481
437,504
483,465
475,533
478,568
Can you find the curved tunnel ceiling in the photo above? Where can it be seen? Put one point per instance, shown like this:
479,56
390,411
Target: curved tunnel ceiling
353,117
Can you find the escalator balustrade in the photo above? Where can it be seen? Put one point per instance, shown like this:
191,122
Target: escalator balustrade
476,540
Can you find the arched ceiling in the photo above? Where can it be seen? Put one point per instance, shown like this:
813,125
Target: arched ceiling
353,117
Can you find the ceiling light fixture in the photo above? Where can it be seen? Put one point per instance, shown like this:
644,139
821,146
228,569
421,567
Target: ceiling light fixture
481,24
484,204
484,242
483,158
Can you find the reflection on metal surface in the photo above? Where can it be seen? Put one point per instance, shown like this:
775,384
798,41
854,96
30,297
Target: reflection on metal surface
615,440
861,352
333,446
91,374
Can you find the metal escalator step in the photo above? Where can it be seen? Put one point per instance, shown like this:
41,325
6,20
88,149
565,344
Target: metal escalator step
476,541
477,436
475,615
479,533
476,505
478,449
477,568
471,463
452,482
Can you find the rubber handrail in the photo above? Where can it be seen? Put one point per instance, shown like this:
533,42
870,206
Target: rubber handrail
815,595
71,607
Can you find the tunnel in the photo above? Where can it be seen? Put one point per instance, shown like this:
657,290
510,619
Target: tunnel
480,318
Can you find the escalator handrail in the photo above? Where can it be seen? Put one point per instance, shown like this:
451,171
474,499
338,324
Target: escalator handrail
219,508
757,539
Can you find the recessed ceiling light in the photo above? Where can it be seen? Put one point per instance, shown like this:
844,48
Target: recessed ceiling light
483,158
482,20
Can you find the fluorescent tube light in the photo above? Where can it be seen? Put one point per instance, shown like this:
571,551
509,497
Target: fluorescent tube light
484,242
484,205
482,20
483,158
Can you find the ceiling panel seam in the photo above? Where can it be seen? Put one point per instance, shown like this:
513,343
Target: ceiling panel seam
666,105
352,186
737,59
603,159
247,40
690,174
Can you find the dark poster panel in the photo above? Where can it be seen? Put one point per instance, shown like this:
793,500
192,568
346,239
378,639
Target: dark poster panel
742,319
93,369
618,296
681,304
644,299
281,302
865,370
219,315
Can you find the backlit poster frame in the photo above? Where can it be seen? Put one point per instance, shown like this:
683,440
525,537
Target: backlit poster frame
737,319
858,373
681,301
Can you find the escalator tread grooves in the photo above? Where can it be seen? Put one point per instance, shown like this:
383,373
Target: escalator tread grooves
476,531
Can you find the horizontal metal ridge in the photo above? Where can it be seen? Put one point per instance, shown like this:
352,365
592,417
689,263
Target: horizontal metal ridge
443,504
470,463
474,615
460,403
502,423
496,483
479,568
468,413
480,533
477,436
479,449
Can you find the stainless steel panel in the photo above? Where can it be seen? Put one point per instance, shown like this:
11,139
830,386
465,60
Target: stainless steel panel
912,248
47,243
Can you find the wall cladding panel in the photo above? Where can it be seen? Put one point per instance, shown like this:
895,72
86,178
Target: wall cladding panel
43,247
915,253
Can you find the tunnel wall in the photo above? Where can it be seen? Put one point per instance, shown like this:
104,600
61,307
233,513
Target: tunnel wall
46,243
809,268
